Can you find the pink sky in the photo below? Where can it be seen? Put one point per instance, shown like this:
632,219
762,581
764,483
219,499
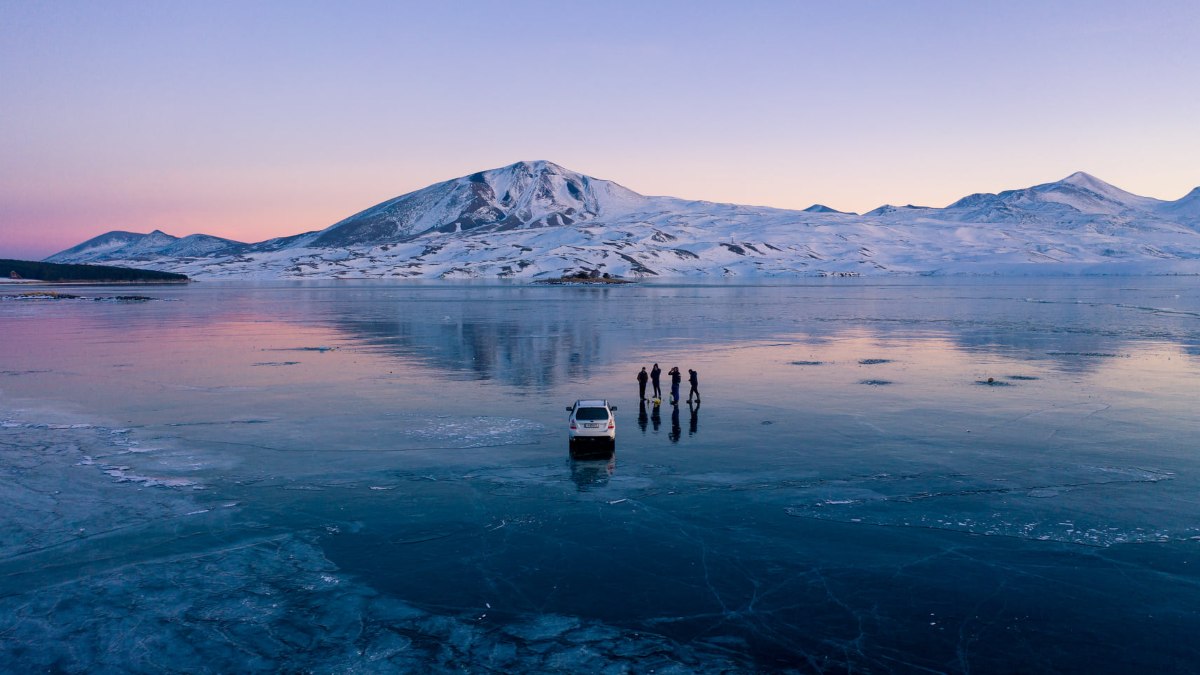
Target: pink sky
270,119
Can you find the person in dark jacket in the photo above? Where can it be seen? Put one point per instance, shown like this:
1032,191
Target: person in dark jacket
693,380
676,378
656,373
641,378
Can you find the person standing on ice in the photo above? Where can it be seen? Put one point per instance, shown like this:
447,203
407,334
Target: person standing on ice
656,373
641,378
676,378
693,380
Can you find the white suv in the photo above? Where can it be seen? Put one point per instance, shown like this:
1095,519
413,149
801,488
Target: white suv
592,421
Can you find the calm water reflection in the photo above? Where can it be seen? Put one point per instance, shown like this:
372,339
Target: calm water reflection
253,476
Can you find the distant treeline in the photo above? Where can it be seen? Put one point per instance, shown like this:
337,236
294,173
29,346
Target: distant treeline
27,269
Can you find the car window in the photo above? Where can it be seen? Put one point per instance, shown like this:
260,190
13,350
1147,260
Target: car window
591,414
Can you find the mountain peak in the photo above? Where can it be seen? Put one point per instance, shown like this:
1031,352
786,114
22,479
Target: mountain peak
535,167
538,165
1105,191
821,208
1088,181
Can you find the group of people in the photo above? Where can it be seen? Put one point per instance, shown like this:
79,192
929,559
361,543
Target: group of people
654,377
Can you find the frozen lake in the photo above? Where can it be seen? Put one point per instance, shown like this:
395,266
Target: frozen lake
906,475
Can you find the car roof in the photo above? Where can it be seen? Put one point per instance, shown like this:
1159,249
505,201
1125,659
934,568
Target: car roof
591,403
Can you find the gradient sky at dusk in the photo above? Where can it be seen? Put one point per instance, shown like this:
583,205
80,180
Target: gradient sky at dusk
251,120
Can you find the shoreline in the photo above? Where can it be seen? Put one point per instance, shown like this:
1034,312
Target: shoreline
37,282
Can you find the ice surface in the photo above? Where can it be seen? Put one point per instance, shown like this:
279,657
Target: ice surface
477,431
277,604
216,600
960,502
399,497
57,476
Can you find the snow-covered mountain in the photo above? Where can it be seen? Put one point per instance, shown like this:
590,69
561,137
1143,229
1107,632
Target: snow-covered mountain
537,219
520,196
119,245
1079,193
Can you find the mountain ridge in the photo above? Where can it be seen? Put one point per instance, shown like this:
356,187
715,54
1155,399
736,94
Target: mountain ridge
537,218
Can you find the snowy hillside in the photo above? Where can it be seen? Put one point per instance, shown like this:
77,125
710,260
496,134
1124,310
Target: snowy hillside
1186,210
133,246
521,196
1079,193
537,219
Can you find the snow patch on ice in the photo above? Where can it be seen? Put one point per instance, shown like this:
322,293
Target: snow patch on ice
124,475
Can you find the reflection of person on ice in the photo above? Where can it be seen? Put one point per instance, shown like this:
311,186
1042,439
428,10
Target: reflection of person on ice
641,378
694,380
676,430
656,373
675,380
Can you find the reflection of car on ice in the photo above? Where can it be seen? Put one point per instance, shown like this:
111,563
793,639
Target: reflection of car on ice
592,424
592,472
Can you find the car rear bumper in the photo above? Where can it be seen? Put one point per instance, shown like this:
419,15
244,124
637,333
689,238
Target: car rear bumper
584,436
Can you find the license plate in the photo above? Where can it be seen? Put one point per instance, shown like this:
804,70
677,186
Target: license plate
590,425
